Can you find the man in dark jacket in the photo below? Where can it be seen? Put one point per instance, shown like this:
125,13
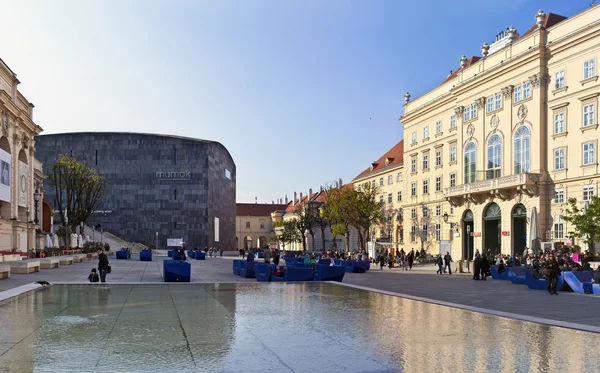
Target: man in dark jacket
447,261
102,265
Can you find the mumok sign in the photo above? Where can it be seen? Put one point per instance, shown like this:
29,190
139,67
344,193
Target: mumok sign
174,175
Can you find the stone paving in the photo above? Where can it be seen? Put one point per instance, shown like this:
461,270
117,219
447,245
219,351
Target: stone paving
421,282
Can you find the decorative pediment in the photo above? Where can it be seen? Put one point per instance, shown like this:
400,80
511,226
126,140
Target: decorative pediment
459,110
508,91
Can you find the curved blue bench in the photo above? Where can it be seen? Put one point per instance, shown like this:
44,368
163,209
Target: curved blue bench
516,275
329,273
579,282
247,270
324,262
170,253
236,266
263,272
498,276
261,255
291,261
363,265
542,284
200,255
190,254
145,256
122,254
296,274
350,265
176,271
338,262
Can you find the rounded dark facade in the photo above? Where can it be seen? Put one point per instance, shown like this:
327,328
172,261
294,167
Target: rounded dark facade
176,186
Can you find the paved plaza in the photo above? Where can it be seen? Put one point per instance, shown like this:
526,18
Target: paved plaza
498,296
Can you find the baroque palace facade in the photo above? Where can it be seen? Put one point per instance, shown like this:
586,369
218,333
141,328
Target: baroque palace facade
509,133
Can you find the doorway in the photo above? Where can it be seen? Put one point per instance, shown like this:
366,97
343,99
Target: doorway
467,235
519,222
492,228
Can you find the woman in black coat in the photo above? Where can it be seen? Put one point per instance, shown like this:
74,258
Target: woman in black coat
552,271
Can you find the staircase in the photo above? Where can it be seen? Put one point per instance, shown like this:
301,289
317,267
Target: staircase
115,242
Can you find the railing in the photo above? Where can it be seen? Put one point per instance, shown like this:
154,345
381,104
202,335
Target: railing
495,183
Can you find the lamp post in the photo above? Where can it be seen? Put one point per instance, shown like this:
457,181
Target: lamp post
36,199
27,212
66,232
157,240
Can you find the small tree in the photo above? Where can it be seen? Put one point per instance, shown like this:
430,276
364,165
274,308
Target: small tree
585,221
287,232
420,220
362,211
79,189
307,215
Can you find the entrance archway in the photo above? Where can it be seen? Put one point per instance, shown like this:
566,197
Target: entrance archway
492,219
519,228
247,242
262,242
467,234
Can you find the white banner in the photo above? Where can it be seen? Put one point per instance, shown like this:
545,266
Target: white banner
22,184
216,229
4,176
174,242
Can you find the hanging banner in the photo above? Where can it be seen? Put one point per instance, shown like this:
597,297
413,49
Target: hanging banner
4,176
22,184
216,229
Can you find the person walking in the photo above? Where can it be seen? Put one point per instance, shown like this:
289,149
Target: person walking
447,261
410,258
102,265
476,266
381,261
403,261
484,267
440,263
267,256
552,271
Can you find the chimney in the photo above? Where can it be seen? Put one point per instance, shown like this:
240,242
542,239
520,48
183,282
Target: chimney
340,183
272,202
286,200
295,198
309,193
300,196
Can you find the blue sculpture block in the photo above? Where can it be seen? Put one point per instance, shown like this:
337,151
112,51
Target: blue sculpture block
122,254
330,273
177,271
200,255
145,256
296,274
247,270
263,272
236,266
170,253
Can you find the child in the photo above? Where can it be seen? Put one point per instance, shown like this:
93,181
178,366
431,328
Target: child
93,277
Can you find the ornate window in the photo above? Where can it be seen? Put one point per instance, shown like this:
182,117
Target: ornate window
470,162
493,211
494,163
522,150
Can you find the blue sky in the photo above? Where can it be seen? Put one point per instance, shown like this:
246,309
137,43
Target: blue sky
300,92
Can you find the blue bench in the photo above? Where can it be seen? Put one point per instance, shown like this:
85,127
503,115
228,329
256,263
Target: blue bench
170,253
363,265
236,266
329,273
177,271
579,282
516,275
200,255
263,272
190,254
324,262
146,256
177,256
261,255
338,262
291,261
542,283
247,269
296,274
122,254
499,276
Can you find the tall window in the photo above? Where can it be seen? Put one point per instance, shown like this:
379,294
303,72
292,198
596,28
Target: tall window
498,101
413,189
424,235
413,233
452,179
373,183
559,227
390,179
381,198
425,186
494,165
380,181
414,137
426,132
559,159
426,162
522,143
413,164
399,176
413,213
438,158
247,225
438,127
438,210
490,104
425,212
559,123
559,79
526,90
453,121
399,196
470,112
559,196
518,93
453,153
588,115
390,198
589,69
470,162
438,232
438,183
589,154
588,192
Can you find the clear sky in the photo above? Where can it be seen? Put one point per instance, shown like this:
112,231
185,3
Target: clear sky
300,92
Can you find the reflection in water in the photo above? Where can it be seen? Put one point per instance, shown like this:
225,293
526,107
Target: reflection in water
311,327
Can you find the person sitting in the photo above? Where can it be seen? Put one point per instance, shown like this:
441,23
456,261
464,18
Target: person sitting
250,257
280,271
586,267
501,267
93,277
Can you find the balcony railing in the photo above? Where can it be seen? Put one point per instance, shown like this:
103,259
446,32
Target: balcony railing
484,184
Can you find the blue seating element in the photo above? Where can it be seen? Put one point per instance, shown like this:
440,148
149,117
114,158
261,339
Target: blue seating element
499,276
247,269
200,255
177,256
296,274
122,254
363,265
261,255
338,262
516,275
263,272
577,280
146,256
236,266
596,289
170,253
542,283
190,254
177,271
329,273
324,261
350,265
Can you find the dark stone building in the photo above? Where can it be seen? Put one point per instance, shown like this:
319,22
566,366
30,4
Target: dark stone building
176,186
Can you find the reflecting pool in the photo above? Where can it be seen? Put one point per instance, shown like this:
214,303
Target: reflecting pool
309,327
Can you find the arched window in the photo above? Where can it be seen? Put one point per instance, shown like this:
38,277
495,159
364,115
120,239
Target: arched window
494,161
522,143
470,162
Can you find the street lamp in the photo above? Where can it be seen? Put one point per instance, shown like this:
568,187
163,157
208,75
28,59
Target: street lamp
66,232
36,199
81,228
157,240
27,212
446,217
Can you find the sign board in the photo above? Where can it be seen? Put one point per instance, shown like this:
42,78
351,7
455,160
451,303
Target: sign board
505,233
22,184
476,234
444,247
216,229
4,176
174,242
